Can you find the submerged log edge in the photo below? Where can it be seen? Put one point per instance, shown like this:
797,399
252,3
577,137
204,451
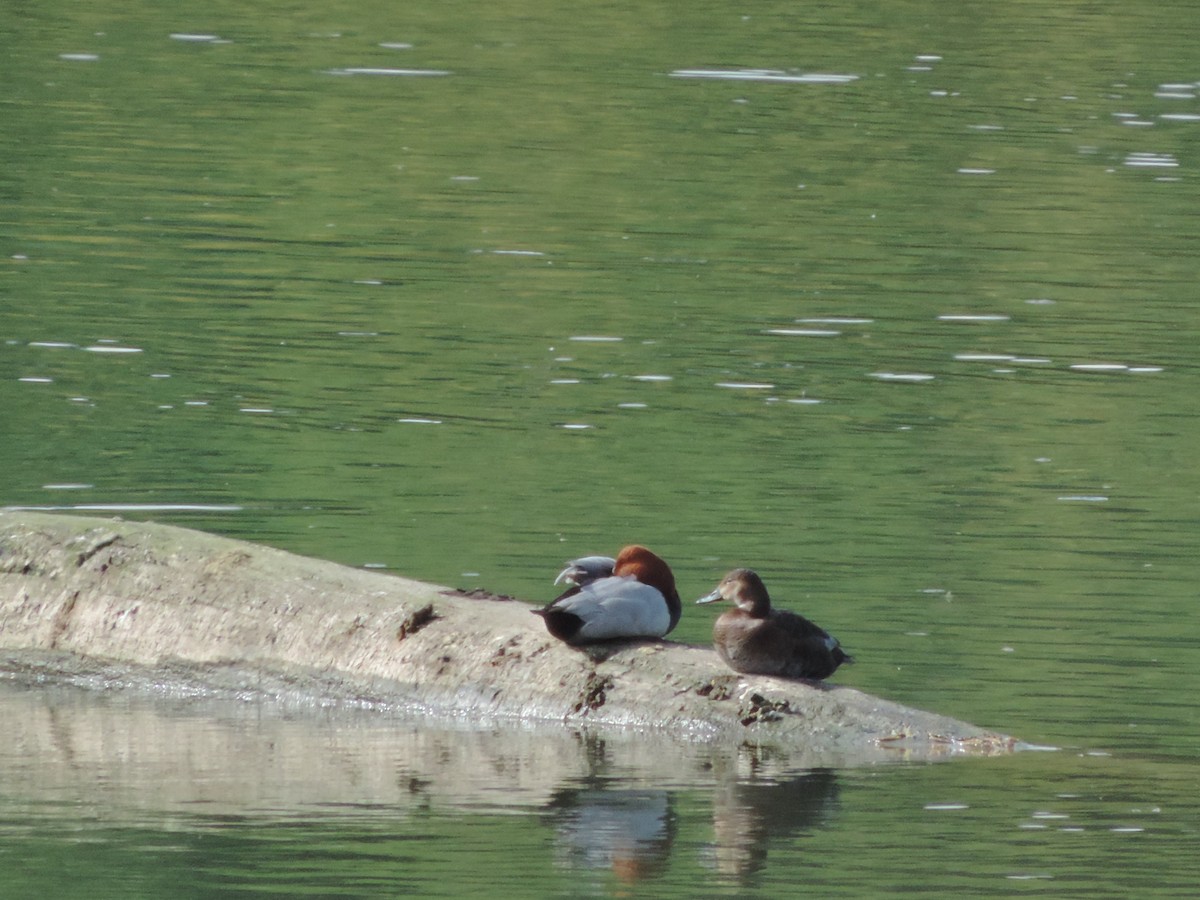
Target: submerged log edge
109,602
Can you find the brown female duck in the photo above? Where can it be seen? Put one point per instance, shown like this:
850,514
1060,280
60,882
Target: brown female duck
757,640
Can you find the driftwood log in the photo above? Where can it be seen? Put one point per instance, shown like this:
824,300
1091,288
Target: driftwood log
111,603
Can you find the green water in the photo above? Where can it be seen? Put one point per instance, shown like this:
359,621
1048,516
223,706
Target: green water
917,343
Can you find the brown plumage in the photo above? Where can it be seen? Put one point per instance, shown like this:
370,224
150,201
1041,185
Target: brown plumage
755,639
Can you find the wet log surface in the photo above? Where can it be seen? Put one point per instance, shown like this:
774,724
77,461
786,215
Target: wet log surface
116,604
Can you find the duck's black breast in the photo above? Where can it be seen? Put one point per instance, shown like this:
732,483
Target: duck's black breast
782,643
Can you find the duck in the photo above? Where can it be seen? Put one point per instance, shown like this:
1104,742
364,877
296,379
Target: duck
631,596
755,639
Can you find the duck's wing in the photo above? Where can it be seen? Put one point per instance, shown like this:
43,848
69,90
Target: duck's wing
796,626
812,652
613,607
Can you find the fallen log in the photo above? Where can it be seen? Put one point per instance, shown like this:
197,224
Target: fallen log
115,603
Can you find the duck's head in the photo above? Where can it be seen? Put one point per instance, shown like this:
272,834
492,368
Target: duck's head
586,569
648,568
745,588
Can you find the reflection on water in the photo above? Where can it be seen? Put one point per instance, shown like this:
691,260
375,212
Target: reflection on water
631,832
628,832
751,813
243,757
241,795
129,760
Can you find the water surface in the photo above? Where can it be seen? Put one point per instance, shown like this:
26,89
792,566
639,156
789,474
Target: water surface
895,305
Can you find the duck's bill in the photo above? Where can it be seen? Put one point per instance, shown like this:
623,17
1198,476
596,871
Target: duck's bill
588,568
569,575
710,598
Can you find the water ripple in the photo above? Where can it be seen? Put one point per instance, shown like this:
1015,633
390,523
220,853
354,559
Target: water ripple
772,75
403,73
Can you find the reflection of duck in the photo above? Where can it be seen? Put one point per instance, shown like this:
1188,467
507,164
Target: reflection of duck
632,596
757,640
746,814
627,831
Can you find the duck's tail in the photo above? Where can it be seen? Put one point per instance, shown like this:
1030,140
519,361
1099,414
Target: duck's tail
560,623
